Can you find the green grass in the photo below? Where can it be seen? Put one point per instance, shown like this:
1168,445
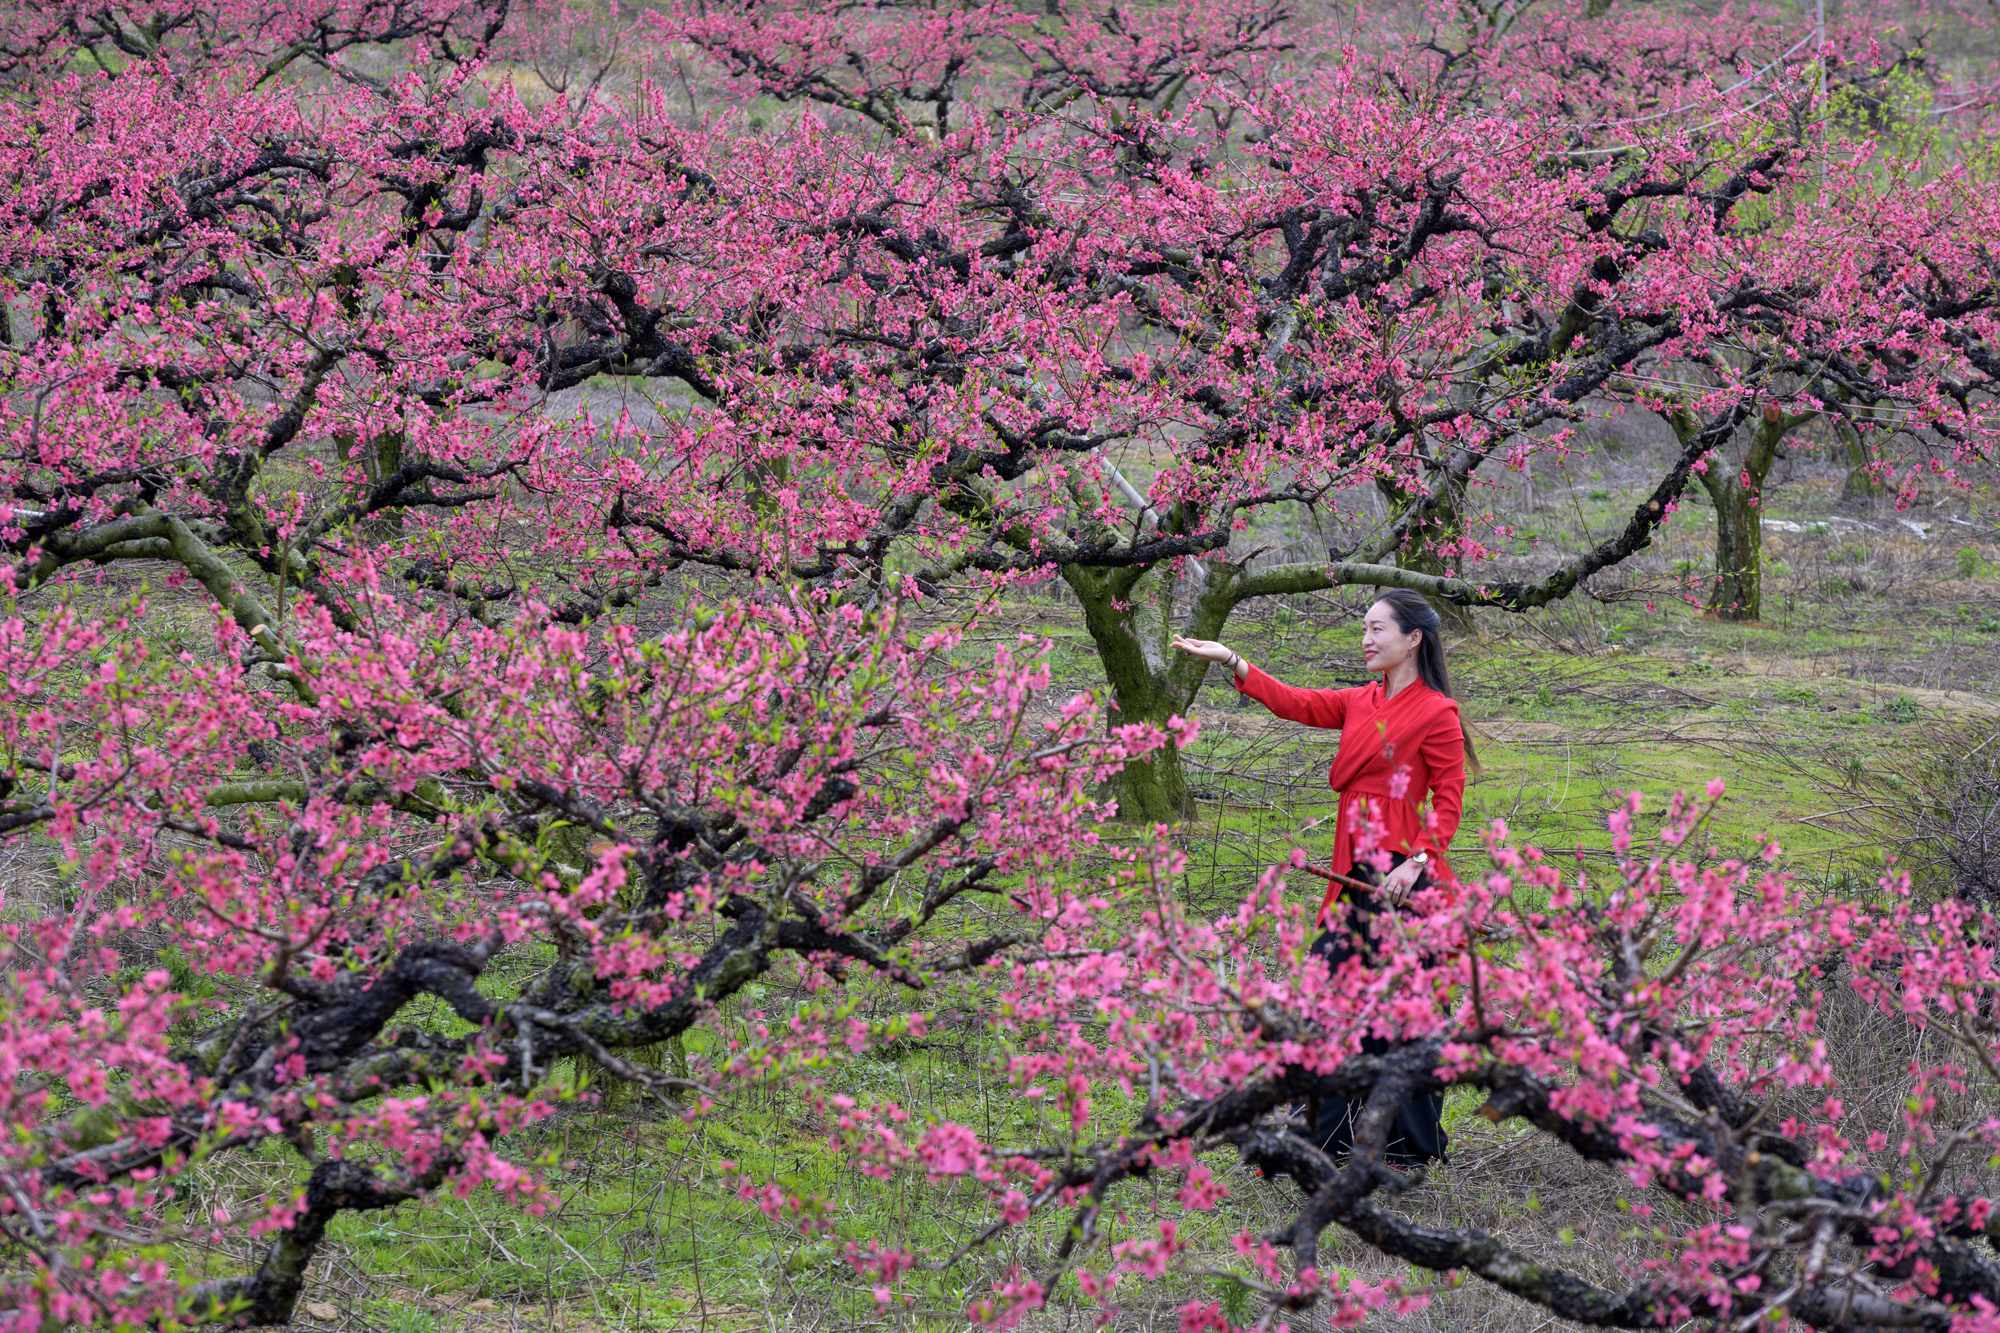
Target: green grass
649,1232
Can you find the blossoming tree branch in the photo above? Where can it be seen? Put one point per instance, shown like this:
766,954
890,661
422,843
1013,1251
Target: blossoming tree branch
1112,312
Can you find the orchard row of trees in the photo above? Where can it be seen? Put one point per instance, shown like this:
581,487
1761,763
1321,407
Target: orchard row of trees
431,670
1105,296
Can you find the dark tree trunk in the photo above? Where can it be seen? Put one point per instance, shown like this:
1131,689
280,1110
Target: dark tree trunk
1129,633
1738,492
380,457
1862,486
1738,593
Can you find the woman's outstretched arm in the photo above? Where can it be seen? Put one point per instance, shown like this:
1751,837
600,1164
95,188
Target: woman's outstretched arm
1315,708
1208,650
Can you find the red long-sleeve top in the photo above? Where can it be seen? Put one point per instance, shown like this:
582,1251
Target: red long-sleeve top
1415,735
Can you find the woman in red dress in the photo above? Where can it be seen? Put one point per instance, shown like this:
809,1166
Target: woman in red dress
1401,740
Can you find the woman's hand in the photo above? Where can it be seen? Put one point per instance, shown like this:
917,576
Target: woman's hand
1401,882
1208,650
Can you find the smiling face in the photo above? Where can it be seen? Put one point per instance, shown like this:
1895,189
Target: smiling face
1384,644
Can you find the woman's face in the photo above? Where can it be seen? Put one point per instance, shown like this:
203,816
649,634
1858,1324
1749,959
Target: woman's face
1384,645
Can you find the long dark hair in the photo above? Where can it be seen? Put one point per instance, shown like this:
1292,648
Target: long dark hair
1414,614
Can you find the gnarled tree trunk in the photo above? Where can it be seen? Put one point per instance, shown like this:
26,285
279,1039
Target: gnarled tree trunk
1738,591
1131,625
380,457
1738,493
1130,632
1131,615
1863,486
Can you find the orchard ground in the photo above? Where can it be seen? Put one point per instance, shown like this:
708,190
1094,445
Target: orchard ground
1881,641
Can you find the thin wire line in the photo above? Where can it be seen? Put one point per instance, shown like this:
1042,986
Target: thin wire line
1708,125
1707,97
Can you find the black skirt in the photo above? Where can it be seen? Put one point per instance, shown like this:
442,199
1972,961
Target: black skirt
1417,1135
